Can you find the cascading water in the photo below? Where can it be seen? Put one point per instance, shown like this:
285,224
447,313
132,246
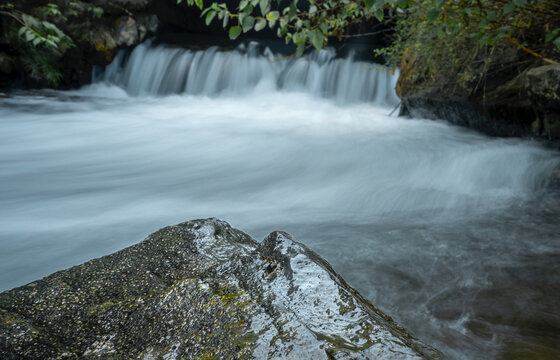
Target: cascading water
449,231
163,70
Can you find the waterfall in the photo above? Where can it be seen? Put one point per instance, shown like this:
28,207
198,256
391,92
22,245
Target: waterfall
162,70
450,230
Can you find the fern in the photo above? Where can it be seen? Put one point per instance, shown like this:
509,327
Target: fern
42,64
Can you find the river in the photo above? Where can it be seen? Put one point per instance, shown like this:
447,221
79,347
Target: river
450,232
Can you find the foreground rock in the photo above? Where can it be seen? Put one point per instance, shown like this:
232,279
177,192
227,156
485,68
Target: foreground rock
200,289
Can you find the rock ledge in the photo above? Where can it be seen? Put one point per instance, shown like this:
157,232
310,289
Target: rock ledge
200,289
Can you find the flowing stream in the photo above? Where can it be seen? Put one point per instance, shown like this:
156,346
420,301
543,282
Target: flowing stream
450,232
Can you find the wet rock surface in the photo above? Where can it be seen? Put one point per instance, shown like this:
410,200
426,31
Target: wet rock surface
507,101
200,289
543,86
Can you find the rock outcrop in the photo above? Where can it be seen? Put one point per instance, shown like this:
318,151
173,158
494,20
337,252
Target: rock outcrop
522,102
543,87
200,289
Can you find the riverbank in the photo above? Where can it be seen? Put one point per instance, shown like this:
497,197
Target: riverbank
524,102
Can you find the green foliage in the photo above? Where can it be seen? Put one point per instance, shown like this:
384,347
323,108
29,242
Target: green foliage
43,33
306,27
459,38
472,23
97,12
39,42
42,65
52,9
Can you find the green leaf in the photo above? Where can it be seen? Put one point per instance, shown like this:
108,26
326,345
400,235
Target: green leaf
552,35
273,16
50,26
557,42
97,12
432,14
225,20
210,16
248,23
509,7
234,32
29,35
30,21
369,3
51,44
293,11
379,14
317,39
300,49
520,3
248,9
261,24
263,4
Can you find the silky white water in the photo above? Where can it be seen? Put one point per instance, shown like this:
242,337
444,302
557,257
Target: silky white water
450,232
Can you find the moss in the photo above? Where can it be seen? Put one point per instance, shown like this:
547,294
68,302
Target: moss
407,72
163,296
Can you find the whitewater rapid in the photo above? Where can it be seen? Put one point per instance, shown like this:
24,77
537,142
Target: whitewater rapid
451,232
161,70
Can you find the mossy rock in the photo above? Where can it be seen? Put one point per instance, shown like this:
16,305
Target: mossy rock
200,290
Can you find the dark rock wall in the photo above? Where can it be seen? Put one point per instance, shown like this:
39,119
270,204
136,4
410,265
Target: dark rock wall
506,100
495,119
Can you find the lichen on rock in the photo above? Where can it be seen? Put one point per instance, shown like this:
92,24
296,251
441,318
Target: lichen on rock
200,289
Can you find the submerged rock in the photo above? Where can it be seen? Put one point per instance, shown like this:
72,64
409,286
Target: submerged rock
200,289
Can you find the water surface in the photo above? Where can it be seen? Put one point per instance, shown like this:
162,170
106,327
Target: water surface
450,232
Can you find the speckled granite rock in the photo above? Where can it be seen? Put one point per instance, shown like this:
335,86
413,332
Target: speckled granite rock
200,289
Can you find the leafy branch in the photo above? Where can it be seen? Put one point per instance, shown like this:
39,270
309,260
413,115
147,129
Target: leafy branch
488,21
306,27
41,42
